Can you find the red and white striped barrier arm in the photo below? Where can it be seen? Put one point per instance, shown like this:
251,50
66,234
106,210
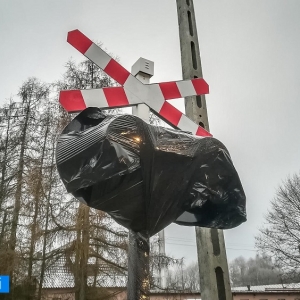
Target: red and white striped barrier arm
78,100
134,92
112,97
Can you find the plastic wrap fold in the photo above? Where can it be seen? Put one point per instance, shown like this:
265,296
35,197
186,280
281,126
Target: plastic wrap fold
147,177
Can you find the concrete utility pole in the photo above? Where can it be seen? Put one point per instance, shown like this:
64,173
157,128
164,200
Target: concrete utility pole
162,252
213,267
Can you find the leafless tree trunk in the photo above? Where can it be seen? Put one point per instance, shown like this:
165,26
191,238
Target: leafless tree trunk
44,249
17,202
37,200
5,146
4,149
82,252
31,93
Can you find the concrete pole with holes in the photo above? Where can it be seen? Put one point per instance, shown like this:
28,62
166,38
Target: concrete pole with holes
213,267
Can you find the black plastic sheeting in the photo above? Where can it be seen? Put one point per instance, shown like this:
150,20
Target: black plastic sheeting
147,177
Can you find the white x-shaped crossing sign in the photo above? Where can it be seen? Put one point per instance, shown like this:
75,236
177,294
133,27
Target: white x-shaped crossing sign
132,91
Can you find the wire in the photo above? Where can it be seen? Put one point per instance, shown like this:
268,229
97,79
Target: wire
192,240
194,245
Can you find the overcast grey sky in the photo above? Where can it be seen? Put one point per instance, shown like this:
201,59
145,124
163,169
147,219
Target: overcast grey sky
250,57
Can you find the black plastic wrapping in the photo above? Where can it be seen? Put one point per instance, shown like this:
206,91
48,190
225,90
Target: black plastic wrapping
147,177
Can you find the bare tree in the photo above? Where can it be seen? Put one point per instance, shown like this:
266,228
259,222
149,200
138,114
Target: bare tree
92,238
19,128
6,117
8,173
41,222
35,188
32,93
183,278
237,271
254,271
280,237
47,189
84,75
191,277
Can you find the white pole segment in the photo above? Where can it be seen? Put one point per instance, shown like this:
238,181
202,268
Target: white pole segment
143,71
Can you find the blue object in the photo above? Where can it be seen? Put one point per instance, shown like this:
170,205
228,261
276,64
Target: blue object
4,284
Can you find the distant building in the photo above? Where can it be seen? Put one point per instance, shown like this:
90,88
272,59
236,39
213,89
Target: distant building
59,285
289,291
59,280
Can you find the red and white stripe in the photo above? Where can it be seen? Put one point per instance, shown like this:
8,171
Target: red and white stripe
134,91
172,115
78,100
